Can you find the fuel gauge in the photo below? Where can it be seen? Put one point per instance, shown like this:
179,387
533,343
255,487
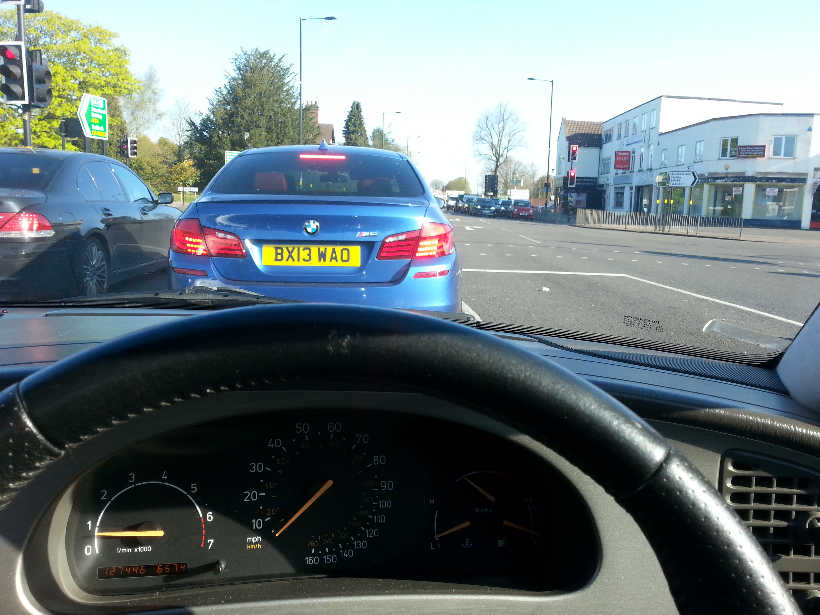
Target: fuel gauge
487,511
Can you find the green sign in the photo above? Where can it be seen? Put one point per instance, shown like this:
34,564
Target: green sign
93,114
662,179
230,155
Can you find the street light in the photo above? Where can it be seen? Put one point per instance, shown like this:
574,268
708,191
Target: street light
408,144
549,144
301,19
383,114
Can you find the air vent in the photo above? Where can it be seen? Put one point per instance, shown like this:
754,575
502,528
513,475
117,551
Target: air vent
780,504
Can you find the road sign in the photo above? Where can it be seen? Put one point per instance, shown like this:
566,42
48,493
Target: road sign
193,189
682,179
229,155
93,114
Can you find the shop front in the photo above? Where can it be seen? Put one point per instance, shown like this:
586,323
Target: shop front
726,200
778,202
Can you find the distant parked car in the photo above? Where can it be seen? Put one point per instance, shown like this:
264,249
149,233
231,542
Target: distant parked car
73,224
523,209
464,201
506,208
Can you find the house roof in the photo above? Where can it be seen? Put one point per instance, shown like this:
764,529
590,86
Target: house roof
572,127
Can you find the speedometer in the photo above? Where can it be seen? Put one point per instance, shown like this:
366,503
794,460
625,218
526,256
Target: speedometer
320,493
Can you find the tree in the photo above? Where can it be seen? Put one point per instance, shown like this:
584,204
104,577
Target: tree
389,143
354,131
460,183
497,133
437,184
513,173
82,59
176,124
258,98
141,109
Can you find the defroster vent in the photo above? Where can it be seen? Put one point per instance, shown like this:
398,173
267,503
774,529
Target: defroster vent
780,504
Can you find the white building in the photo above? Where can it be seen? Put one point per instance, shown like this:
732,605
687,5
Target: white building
587,136
752,161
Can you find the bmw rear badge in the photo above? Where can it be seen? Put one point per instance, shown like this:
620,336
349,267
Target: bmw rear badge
311,227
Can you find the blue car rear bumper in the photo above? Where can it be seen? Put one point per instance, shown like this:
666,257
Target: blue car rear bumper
438,294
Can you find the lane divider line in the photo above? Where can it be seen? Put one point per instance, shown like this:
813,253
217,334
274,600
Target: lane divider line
632,277
528,239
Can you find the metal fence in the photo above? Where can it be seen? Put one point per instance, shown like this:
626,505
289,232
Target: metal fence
679,224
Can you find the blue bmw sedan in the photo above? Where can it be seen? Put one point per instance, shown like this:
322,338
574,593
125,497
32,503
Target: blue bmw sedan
322,224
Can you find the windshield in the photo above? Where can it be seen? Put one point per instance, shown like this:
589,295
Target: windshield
316,173
624,195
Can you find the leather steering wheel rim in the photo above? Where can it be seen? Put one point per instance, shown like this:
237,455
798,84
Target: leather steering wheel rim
711,562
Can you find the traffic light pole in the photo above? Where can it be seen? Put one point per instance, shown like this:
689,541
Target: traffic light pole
26,109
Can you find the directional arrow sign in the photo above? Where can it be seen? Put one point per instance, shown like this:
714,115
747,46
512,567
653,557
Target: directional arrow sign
682,179
93,114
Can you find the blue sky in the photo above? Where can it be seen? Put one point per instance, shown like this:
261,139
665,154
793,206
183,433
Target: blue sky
443,63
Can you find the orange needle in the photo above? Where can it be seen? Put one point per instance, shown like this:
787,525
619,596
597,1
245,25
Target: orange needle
481,491
453,529
307,505
519,527
132,534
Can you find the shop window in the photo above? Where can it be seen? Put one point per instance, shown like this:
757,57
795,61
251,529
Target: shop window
699,151
727,201
643,122
783,147
681,154
653,118
651,154
664,159
696,199
778,202
728,147
619,199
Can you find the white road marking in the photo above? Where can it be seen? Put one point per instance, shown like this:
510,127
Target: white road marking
545,289
632,277
528,239
508,255
469,311
482,254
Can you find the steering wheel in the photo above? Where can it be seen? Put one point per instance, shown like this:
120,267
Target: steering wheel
711,562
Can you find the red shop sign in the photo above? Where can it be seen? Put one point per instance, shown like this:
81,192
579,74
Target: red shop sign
622,160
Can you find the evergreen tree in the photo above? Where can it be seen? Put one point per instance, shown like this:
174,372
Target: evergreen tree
354,130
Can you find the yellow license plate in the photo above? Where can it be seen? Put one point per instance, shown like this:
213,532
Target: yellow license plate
311,256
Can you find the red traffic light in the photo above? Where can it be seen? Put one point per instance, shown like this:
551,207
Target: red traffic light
8,52
573,152
571,180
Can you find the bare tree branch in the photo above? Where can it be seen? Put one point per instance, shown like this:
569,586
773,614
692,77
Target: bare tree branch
497,133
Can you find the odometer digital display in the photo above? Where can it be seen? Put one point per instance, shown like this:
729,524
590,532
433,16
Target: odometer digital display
144,570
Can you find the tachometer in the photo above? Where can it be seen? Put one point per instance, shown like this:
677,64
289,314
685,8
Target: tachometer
319,493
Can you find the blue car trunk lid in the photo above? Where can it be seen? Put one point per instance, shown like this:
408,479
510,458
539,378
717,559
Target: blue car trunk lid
282,224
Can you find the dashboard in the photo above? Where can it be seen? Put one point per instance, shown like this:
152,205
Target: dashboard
316,501
328,493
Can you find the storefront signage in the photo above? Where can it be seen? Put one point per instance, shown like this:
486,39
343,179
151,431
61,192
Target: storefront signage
638,138
622,160
750,179
751,151
737,190
771,191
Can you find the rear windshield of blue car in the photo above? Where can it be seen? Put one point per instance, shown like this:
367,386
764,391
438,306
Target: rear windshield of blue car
27,171
316,174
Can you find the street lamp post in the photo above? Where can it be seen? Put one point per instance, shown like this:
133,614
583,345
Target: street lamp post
301,19
408,144
549,144
383,114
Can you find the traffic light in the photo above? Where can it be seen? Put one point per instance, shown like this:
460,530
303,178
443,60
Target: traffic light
132,147
39,79
13,70
573,153
491,185
34,6
571,179
124,148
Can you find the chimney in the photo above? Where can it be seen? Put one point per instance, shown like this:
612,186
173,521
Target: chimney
312,110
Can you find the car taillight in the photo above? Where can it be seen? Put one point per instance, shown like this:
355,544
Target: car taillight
436,240
191,238
399,246
187,238
223,244
25,225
